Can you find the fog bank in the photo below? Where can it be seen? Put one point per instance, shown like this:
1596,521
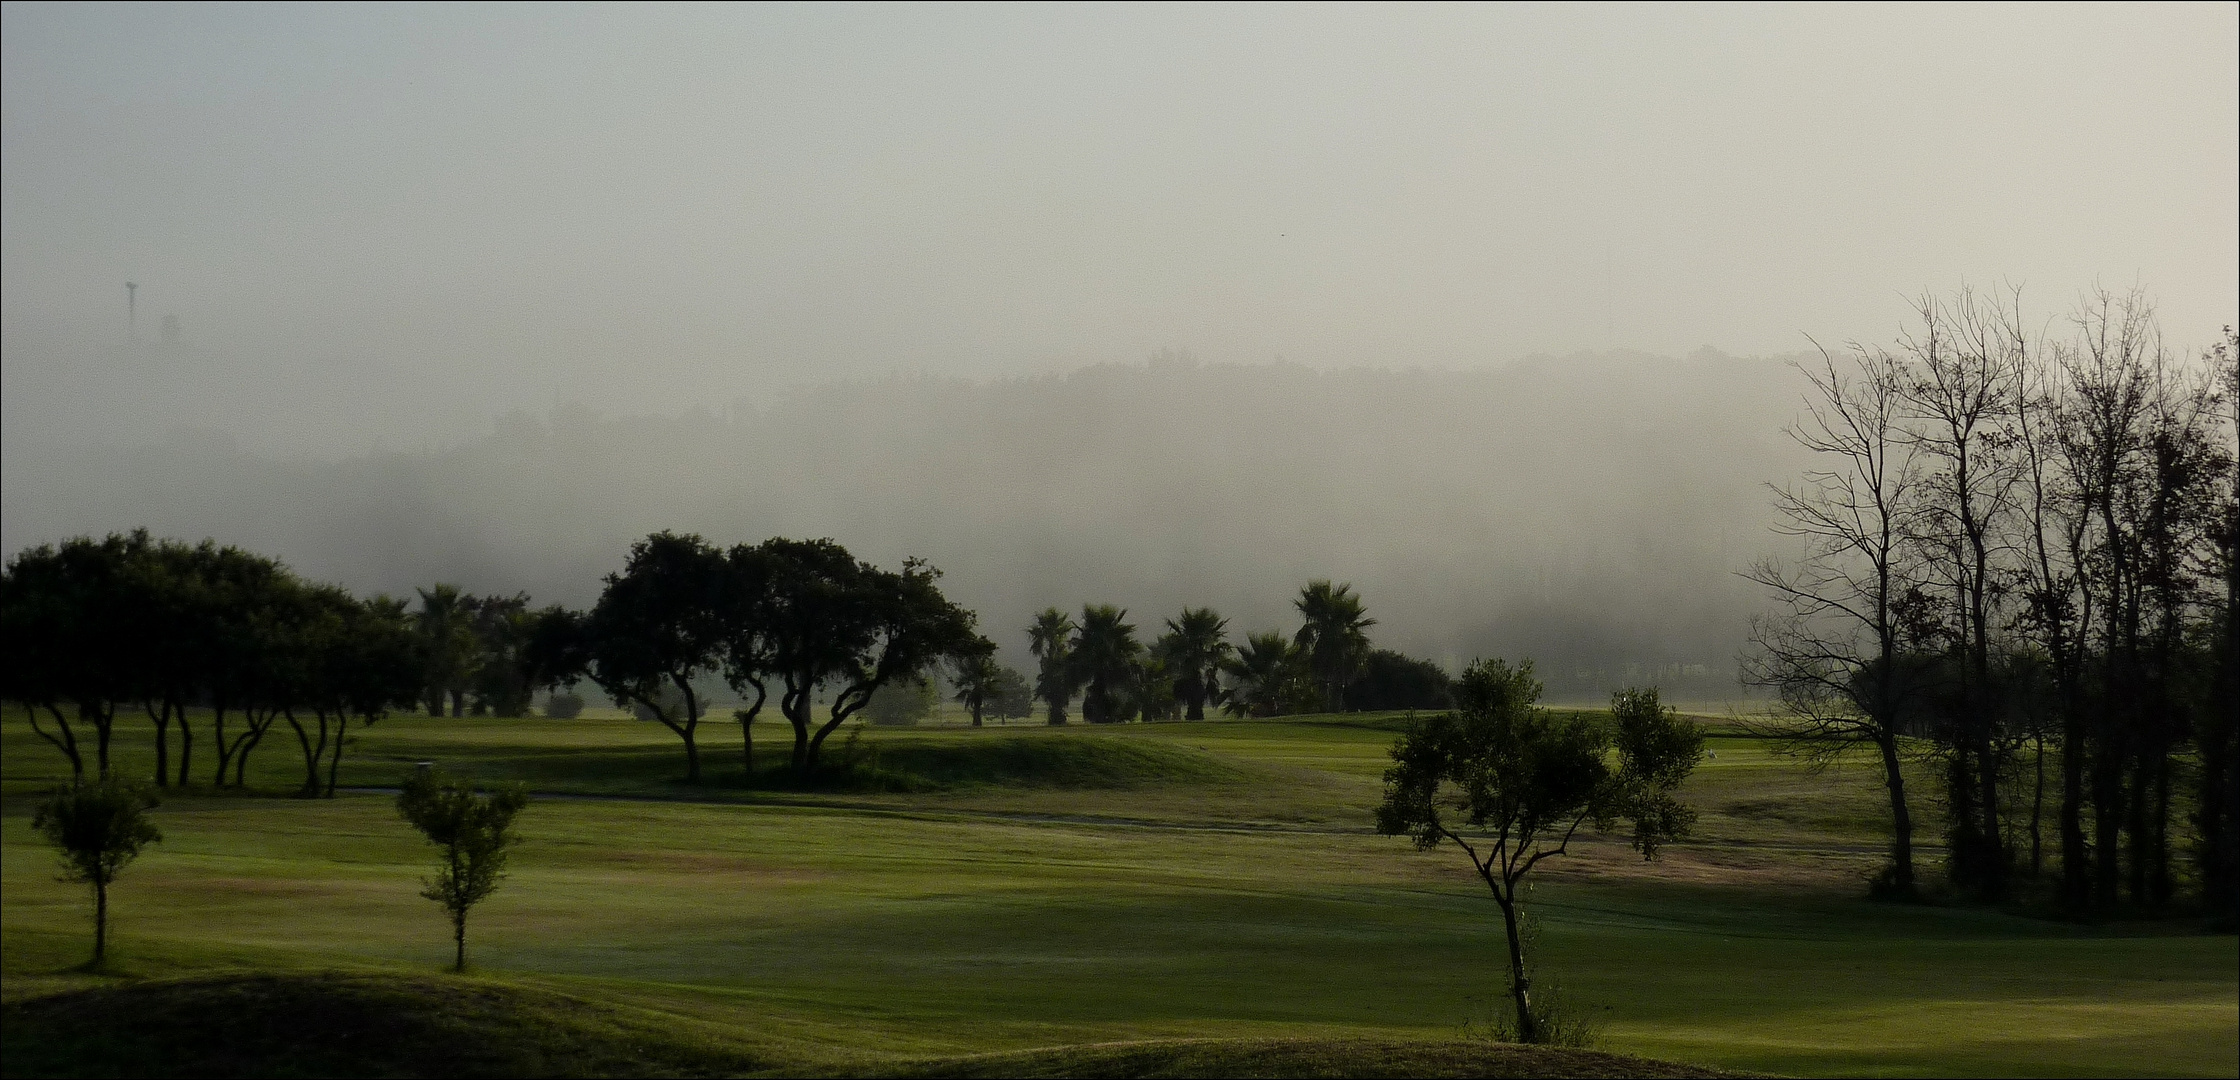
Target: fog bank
1588,512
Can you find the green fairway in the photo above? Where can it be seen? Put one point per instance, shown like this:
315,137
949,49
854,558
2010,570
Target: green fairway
1020,888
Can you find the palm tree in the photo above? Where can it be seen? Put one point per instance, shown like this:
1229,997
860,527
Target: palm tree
1150,692
1104,657
1333,638
446,627
1051,641
976,674
1264,676
1195,648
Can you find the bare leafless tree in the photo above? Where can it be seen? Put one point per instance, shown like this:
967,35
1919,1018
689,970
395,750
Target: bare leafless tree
1832,651
1960,391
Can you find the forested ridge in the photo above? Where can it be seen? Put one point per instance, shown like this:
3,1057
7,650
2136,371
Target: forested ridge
1588,511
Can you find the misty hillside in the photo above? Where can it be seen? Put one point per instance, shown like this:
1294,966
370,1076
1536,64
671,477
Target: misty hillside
1589,512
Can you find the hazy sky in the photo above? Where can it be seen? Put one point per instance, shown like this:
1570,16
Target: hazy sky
402,220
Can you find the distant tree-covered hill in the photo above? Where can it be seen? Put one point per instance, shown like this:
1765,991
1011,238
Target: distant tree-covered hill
1588,511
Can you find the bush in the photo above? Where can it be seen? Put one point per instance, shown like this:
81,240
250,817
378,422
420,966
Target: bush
1392,681
565,705
901,703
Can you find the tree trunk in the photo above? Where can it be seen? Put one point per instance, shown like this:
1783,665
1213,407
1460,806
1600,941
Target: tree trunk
186,745
2107,816
2038,807
1901,819
746,725
313,756
334,763
102,720
2159,885
796,705
100,920
162,718
218,735
2076,878
2136,830
66,741
459,940
1520,986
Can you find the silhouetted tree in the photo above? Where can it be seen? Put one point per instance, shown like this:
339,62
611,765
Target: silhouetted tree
1333,637
975,674
448,644
2217,732
1051,641
504,680
1267,677
658,625
1961,392
841,623
1390,680
746,615
1832,650
362,659
1104,653
1195,648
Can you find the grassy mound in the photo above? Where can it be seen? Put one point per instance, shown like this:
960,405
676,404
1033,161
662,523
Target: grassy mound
1298,1057
1037,761
402,1026
344,1025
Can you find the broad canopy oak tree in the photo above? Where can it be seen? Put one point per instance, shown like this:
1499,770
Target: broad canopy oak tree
1511,784
803,617
839,623
658,625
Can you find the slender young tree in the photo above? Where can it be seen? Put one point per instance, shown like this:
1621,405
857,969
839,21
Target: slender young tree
474,832
97,828
1511,784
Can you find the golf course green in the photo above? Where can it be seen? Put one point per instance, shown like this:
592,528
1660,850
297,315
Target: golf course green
1140,899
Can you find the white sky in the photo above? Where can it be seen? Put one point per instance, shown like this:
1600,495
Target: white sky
404,219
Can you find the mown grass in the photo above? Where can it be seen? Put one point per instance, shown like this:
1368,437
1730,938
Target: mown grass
1078,887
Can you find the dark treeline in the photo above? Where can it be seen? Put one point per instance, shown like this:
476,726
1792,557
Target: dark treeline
95,630
2019,584
98,629
1327,666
